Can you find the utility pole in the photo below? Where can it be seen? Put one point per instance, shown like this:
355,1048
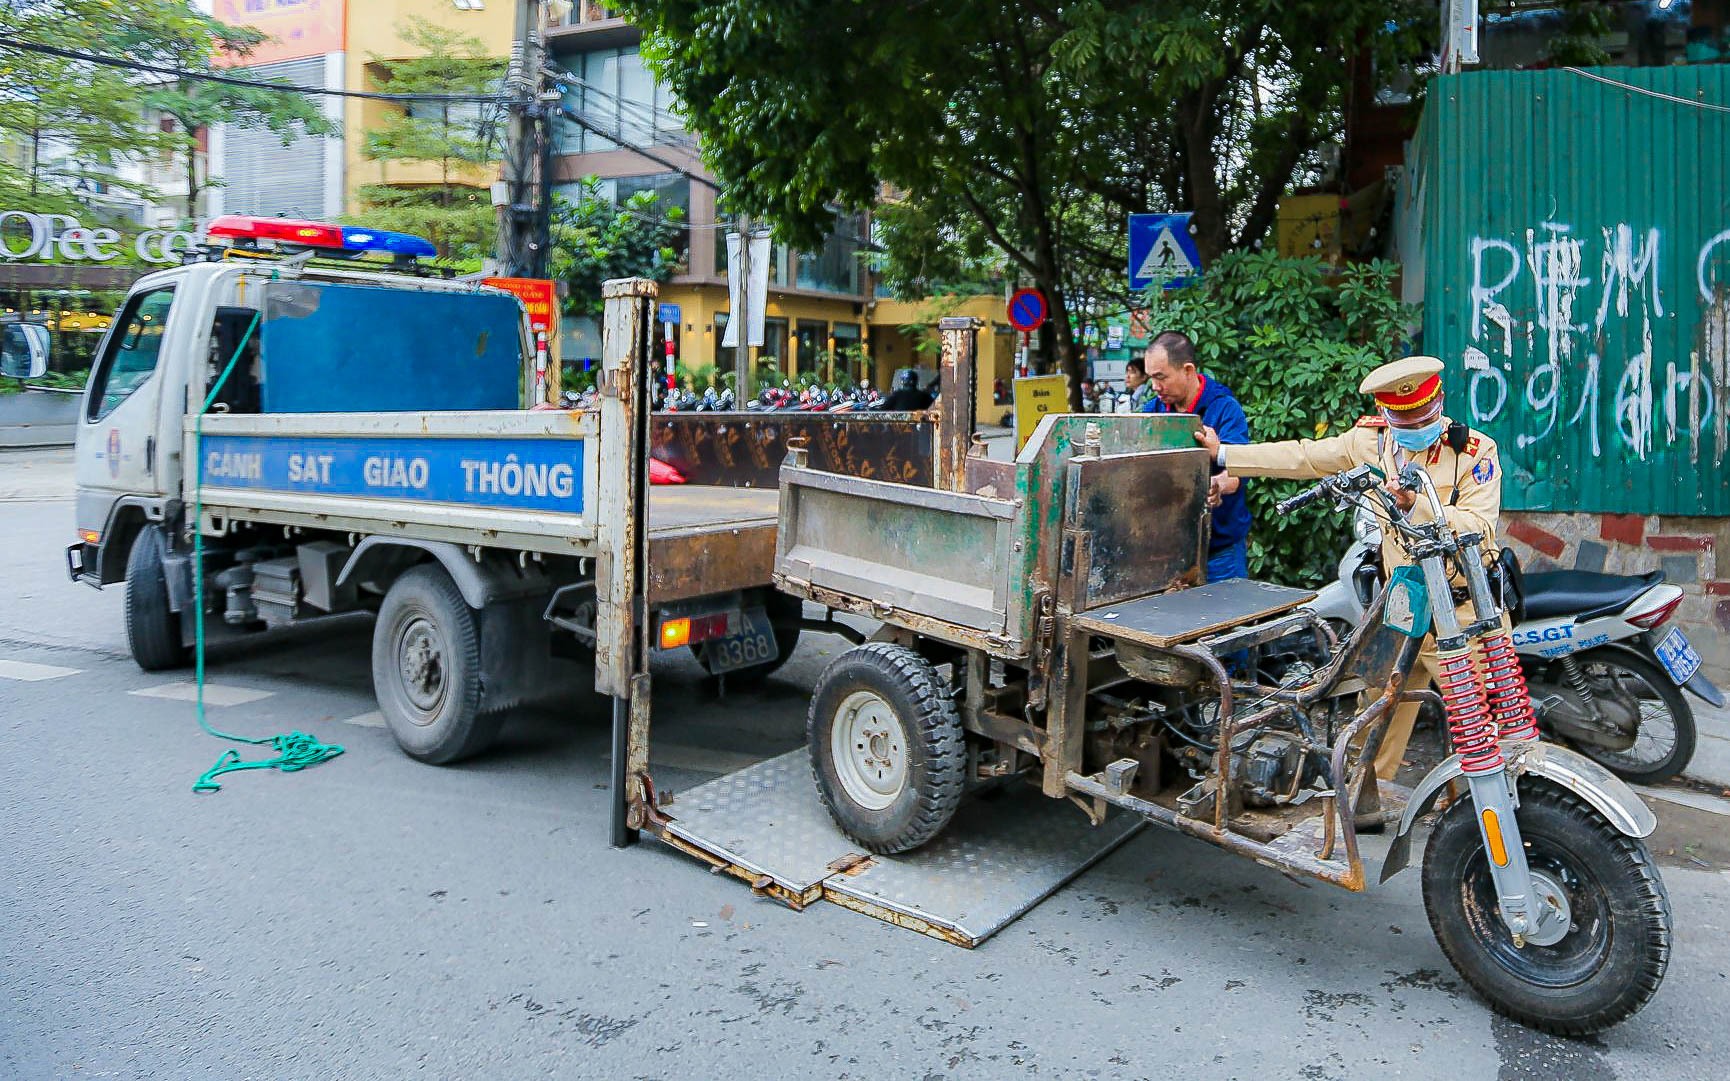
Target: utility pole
742,290
521,196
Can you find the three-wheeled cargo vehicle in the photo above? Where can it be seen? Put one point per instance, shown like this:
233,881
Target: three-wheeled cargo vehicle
1047,618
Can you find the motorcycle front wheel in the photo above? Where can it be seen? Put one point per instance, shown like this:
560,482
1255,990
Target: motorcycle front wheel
1596,965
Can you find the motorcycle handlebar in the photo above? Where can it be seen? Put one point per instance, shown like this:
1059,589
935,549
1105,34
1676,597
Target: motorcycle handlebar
1303,498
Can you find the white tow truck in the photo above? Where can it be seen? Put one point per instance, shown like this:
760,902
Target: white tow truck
335,434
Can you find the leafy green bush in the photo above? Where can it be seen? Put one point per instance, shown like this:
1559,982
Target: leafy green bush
1292,339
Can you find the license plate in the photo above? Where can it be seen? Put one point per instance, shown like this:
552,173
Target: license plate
752,645
1677,656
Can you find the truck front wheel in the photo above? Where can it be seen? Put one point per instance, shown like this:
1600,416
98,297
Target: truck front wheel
887,749
426,668
152,628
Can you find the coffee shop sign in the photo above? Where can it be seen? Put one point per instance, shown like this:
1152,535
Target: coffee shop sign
25,235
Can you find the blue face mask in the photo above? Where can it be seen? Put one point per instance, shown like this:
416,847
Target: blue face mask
1416,439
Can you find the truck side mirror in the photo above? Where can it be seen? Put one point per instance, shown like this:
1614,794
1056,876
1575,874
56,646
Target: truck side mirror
24,350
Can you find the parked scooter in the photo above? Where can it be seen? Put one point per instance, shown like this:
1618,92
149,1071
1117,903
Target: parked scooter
1604,680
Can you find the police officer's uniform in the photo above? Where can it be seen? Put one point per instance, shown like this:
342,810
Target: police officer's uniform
1462,464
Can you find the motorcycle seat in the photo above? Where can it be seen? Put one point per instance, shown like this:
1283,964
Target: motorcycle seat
1582,594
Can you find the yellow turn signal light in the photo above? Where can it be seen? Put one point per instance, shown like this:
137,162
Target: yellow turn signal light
1493,835
89,536
675,633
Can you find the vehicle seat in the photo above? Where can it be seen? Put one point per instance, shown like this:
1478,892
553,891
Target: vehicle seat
1583,594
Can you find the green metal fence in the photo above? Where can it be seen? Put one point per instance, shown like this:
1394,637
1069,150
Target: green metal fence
1576,261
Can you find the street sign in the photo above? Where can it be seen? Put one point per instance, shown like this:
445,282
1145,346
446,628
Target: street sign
1161,251
537,295
669,313
1036,396
1027,310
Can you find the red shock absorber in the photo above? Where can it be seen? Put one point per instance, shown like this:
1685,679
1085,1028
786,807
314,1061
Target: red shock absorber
1505,686
1470,726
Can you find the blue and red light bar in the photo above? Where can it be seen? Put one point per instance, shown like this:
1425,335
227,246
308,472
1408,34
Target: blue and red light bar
313,234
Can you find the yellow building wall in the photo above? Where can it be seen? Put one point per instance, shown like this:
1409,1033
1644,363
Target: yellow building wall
374,30
700,338
893,346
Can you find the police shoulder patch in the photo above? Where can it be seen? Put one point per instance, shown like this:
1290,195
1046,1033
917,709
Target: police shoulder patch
1372,422
1484,471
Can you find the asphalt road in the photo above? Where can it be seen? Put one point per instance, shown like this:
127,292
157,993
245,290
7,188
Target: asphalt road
374,917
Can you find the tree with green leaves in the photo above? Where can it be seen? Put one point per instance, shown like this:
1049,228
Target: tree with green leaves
1293,341
462,138
97,115
595,239
1041,125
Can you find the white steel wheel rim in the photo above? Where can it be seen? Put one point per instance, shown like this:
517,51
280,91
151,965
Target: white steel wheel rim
869,749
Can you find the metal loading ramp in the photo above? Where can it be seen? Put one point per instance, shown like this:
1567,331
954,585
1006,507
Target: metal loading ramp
1003,853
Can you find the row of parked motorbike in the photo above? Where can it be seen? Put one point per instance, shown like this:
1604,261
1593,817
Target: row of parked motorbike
782,399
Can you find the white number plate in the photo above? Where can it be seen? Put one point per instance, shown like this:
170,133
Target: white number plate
753,645
1678,656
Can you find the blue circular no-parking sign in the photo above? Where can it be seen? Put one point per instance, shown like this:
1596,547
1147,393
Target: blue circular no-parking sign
1026,310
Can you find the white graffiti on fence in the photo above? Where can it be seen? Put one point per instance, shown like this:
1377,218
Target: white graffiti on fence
1628,300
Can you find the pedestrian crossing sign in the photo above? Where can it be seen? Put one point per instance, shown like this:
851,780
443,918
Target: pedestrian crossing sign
1161,251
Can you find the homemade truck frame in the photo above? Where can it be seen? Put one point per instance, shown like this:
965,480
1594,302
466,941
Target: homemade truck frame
1048,618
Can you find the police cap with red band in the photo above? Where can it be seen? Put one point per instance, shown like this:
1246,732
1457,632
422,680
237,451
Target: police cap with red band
1409,390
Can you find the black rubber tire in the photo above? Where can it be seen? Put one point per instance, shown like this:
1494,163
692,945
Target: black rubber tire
1606,968
1675,704
936,747
784,613
152,628
447,724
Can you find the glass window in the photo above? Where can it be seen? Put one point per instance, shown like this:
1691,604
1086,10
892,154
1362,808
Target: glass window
813,340
848,352
617,94
774,342
835,267
132,353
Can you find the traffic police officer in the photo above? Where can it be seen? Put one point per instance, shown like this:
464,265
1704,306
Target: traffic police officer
1410,427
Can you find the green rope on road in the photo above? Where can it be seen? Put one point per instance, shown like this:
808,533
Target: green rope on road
294,750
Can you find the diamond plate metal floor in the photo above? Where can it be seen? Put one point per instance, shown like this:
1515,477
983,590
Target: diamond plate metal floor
1002,854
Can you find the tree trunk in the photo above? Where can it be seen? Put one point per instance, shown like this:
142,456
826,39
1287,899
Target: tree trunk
192,188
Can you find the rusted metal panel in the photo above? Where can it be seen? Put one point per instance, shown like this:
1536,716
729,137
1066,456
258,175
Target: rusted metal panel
896,546
989,477
1140,524
618,572
959,401
686,563
1188,614
746,449
1575,234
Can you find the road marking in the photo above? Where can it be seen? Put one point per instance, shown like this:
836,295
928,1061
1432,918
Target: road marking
31,673
375,719
215,694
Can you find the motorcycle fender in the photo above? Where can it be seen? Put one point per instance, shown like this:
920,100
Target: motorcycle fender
1705,689
1606,792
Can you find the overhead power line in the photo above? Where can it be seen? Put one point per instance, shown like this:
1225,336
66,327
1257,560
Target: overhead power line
582,122
230,80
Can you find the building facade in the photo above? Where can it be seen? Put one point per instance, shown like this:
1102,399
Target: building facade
824,313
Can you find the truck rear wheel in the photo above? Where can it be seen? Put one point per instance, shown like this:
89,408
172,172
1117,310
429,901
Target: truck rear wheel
152,628
887,750
426,668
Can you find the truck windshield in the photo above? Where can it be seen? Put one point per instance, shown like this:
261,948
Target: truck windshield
338,348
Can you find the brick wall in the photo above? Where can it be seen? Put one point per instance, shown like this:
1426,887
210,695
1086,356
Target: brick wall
1685,549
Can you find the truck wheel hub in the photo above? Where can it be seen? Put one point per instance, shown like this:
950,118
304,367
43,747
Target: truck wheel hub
421,662
869,749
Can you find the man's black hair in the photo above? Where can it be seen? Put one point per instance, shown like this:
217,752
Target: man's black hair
1138,364
1179,350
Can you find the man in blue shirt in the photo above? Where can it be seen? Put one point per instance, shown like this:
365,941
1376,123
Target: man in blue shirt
1180,388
